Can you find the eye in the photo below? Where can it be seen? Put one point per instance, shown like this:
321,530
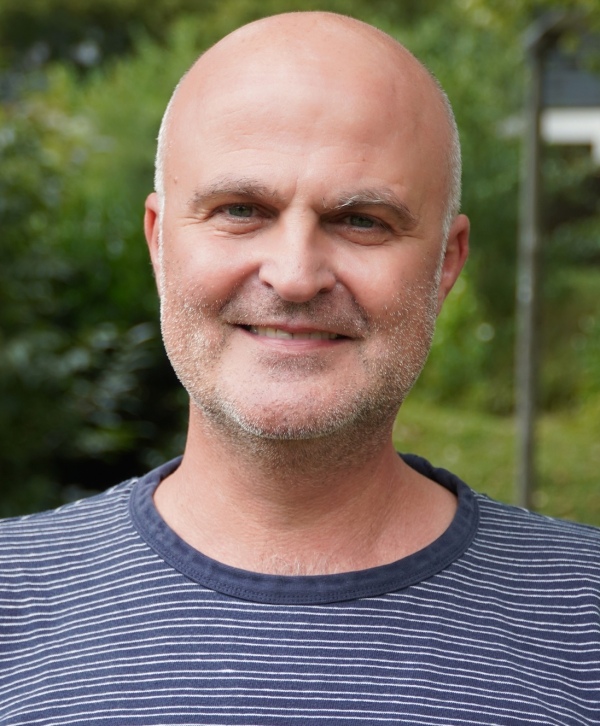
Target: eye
362,222
360,228
240,210
240,217
358,220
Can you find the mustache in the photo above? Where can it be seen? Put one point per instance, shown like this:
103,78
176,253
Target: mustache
340,314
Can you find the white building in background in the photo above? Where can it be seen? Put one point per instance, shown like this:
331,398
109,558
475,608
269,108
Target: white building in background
571,98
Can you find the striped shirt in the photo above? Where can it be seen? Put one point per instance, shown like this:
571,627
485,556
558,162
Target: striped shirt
107,617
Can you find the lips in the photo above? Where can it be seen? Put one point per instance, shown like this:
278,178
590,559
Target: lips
271,332
335,316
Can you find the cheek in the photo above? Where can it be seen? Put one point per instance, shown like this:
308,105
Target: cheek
402,304
202,277
395,288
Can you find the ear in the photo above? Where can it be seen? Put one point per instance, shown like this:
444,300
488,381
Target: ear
457,251
152,232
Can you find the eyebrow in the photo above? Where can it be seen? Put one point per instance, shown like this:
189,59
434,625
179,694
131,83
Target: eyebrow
378,198
243,188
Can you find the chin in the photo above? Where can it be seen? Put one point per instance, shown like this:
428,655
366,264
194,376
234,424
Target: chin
276,430
284,422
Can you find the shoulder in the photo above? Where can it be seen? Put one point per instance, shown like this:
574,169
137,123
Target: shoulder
83,517
518,530
65,555
72,523
517,546
75,536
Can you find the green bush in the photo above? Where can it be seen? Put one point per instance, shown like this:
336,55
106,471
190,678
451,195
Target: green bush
87,395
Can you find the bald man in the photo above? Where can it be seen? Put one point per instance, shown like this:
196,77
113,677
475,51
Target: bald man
291,567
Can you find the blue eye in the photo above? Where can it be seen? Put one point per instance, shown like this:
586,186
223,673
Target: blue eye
240,210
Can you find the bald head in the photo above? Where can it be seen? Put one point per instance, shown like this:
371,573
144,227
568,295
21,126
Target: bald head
333,58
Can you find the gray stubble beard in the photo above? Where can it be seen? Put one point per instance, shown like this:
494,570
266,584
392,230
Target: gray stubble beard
335,438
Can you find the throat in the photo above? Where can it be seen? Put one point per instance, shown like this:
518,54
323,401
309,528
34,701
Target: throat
302,519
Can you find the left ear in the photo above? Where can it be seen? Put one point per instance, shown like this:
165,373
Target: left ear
457,250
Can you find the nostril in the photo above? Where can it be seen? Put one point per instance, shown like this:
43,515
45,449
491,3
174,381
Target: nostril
297,285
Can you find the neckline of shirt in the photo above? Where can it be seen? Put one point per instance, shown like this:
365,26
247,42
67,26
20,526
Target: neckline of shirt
306,589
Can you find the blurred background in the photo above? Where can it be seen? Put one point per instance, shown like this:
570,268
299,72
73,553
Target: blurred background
87,397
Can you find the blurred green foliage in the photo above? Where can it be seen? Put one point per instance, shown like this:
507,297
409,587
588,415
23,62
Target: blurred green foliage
480,448
87,396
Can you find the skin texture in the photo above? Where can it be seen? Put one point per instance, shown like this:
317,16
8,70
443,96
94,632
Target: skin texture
305,181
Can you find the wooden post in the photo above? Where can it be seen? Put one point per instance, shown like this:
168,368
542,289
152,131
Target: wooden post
540,37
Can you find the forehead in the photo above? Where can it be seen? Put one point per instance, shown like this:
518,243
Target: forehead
283,106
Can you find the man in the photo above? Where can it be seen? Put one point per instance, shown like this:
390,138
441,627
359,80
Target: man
292,568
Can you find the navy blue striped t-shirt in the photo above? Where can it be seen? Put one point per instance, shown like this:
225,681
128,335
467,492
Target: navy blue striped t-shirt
107,617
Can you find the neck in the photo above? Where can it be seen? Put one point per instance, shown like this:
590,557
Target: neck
319,506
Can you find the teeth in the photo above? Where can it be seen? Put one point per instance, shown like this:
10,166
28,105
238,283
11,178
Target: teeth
277,333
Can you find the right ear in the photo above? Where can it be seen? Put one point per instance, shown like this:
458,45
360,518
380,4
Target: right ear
152,232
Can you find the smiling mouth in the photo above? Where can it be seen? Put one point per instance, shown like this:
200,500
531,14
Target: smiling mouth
268,332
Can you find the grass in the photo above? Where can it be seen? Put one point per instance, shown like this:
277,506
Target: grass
480,448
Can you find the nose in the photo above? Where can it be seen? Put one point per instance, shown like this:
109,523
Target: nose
298,263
